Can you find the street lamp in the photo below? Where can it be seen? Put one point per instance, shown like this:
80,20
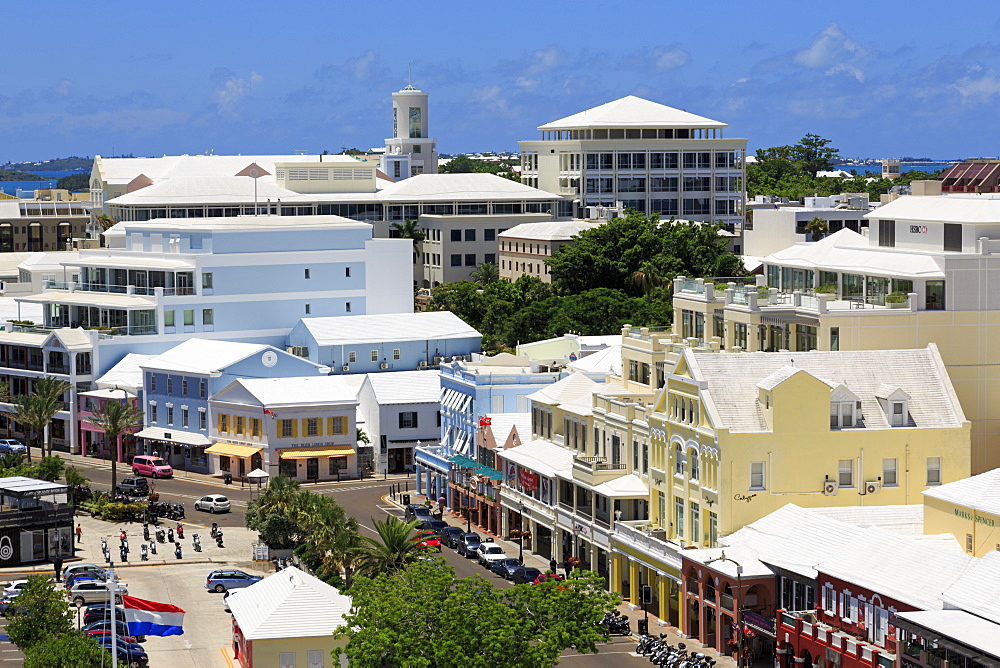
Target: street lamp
739,605
79,606
520,535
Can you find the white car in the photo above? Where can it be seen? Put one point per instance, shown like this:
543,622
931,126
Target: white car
488,553
225,598
14,587
213,503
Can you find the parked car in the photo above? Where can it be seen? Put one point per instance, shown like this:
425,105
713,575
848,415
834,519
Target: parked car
94,592
505,567
468,544
428,540
133,655
488,553
83,576
6,600
213,503
417,511
107,632
432,525
154,467
16,585
133,487
100,612
525,574
71,569
449,536
103,624
12,445
221,581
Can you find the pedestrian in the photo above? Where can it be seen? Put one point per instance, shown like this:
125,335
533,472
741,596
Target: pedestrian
57,564
553,566
441,501
79,533
567,566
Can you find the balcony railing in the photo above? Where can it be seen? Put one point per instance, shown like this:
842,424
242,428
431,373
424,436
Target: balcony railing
117,289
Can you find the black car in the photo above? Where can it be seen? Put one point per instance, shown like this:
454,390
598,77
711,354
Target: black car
505,567
98,612
449,536
417,511
525,574
432,525
468,544
105,625
130,654
134,486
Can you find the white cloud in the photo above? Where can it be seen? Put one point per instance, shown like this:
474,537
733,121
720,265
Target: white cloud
64,88
491,99
234,90
833,52
669,59
544,60
979,90
365,66
526,84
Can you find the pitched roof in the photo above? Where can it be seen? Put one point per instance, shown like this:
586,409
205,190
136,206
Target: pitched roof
291,392
420,326
203,355
562,230
540,456
572,388
126,373
979,492
966,628
405,387
632,112
206,189
953,208
289,604
460,187
972,593
607,360
123,170
732,381
501,425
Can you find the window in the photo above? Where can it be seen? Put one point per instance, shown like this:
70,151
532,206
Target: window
968,543
170,385
470,235
678,460
396,354
470,259
889,473
308,309
224,423
845,472
694,465
189,317
489,235
835,338
201,389
374,355
206,280
953,237
184,387
307,274
347,307
184,416
168,318
456,235
152,411
286,428
208,316
490,257
842,414
352,357
887,233
336,425
757,475
898,413
312,427
679,517
693,536
254,427
933,470
170,414
202,420
456,260
408,420
337,464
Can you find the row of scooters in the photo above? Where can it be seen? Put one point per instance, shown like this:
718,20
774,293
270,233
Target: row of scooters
148,547
661,653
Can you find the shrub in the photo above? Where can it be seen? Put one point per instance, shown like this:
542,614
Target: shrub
896,298
827,289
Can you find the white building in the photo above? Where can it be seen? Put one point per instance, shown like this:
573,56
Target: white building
525,248
777,228
643,155
402,411
410,151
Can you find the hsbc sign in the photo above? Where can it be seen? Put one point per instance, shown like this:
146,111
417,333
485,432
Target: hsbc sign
918,229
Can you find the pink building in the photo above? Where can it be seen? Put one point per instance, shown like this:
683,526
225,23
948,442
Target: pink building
92,441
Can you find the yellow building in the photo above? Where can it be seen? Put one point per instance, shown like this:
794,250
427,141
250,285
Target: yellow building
968,509
737,436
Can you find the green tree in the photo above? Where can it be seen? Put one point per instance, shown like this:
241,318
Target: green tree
73,650
420,616
817,228
334,541
75,182
50,392
106,222
31,412
115,418
39,613
49,468
814,154
274,515
74,478
486,273
391,551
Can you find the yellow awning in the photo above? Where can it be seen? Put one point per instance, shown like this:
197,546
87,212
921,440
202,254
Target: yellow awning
232,450
317,451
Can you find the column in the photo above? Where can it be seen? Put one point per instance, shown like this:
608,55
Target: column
616,573
663,596
633,581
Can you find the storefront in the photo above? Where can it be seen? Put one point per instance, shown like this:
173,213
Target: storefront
235,459
184,451
91,437
316,463
36,521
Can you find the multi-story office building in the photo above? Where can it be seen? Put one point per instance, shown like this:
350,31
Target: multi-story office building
921,276
47,223
641,155
525,248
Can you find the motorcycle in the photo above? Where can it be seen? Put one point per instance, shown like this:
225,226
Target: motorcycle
214,530
180,532
177,550
161,536
152,547
196,542
143,552
218,539
145,532
170,535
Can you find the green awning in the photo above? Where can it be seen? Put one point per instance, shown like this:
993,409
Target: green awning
462,460
490,473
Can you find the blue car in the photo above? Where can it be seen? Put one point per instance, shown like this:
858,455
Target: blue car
12,445
220,581
505,567
133,655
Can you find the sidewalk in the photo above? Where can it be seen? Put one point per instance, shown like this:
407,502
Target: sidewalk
633,612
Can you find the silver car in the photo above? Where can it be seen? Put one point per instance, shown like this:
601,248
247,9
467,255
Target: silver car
93,591
12,445
213,503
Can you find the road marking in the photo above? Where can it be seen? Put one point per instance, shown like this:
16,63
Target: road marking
225,655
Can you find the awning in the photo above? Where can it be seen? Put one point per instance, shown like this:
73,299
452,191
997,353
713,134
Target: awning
317,451
462,460
490,473
182,437
232,450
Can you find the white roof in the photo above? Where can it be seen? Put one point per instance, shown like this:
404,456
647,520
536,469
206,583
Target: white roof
732,382
608,360
460,187
10,262
420,326
289,604
127,373
970,630
123,170
632,112
203,356
629,485
548,231
966,209
979,492
108,393
73,338
12,309
970,592
540,456
88,298
903,520
291,392
405,387
573,388
176,436
41,261
207,190
501,425
847,251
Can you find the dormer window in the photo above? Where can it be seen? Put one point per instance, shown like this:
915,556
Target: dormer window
894,401
898,414
842,414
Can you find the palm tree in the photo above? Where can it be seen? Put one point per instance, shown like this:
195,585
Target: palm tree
486,273
115,418
393,549
106,222
50,391
332,533
646,277
30,412
817,228
408,230
280,496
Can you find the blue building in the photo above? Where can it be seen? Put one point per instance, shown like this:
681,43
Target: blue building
390,342
469,392
179,383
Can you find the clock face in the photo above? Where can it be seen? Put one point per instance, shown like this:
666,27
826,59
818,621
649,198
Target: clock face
269,358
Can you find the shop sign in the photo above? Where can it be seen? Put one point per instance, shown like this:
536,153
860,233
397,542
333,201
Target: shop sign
978,519
527,479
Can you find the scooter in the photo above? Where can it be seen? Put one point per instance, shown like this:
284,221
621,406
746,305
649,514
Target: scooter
170,535
123,553
144,552
215,529
161,536
104,544
218,539
177,550
123,537
180,532
145,532
152,547
196,542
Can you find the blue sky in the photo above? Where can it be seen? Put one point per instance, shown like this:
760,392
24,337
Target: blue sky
877,78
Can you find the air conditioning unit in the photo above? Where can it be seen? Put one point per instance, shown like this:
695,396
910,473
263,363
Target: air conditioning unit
422,364
831,487
438,360
383,365
873,487
345,368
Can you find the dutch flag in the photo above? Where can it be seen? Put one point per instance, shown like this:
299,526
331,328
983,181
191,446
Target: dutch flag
148,618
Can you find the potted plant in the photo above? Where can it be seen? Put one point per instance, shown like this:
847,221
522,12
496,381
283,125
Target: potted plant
897,300
762,294
827,289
